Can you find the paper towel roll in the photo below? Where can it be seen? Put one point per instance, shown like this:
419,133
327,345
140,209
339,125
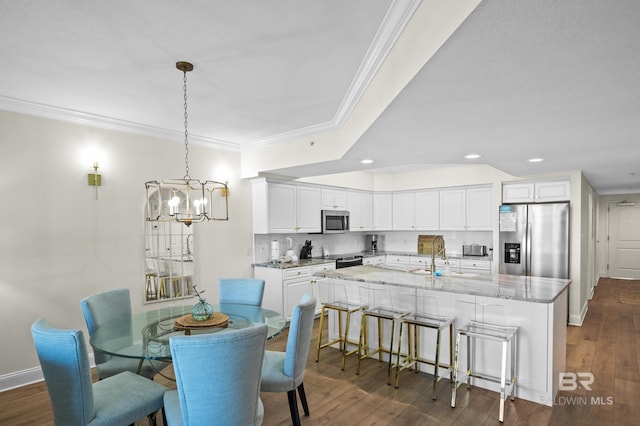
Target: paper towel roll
275,250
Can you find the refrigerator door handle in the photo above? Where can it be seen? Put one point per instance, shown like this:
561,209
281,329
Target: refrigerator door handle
529,245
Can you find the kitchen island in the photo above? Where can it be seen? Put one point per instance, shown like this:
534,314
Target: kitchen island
538,306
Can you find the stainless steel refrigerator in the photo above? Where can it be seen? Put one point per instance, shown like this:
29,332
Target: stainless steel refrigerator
534,240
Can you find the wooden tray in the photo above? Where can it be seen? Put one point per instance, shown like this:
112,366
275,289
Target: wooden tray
186,322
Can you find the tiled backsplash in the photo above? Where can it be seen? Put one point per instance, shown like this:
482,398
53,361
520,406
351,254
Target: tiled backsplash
355,242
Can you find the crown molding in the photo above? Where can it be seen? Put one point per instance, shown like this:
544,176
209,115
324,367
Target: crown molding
94,120
393,24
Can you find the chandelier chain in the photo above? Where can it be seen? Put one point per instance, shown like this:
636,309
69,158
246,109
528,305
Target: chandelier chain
186,132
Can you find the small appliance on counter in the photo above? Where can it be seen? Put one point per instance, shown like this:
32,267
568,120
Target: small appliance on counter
275,251
305,252
290,256
372,243
474,250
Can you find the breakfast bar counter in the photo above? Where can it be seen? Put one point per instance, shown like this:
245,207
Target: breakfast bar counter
537,306
513,287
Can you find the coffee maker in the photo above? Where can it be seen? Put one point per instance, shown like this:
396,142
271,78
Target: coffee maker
371,243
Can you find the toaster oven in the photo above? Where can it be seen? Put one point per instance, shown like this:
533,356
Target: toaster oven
474,250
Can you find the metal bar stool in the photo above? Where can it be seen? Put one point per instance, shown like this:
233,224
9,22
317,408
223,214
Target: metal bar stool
379,305
490,328
333,297
425,314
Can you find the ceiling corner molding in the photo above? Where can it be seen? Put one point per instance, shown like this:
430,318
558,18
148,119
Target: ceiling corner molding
393,24
308,131
93,120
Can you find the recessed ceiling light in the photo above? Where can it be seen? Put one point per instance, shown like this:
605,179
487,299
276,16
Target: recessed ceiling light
535,160
366,161
472,156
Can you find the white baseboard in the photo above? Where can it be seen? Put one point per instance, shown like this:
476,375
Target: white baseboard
18,379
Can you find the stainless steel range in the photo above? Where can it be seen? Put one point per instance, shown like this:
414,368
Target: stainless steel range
346,261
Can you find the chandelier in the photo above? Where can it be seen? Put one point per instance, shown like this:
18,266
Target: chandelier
186,200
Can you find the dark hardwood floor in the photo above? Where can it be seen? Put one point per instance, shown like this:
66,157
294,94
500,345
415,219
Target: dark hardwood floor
606,346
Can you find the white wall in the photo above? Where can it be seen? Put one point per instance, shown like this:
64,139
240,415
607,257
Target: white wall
59,244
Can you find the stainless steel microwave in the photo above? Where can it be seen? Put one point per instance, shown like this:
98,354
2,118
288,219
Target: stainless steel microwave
335,222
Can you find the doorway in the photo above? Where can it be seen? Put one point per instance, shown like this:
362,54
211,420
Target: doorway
624,240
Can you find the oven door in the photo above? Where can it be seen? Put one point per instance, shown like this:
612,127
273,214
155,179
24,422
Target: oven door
345,263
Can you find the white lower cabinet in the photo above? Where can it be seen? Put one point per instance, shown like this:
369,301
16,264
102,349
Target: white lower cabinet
374,260
475,266
398,260
285,287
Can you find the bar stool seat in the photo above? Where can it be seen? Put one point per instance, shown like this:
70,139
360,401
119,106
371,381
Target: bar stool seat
333,297
426,315
507,336
379,305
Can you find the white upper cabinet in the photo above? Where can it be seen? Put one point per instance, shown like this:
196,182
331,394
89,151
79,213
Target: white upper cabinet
284,208
469,209
480,211
334,199
417,210
427,210
360,207
382,211
403,207
453,208
308,216
536,192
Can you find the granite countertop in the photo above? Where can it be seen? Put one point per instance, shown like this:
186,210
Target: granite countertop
300,263
450,256
329,259
527,289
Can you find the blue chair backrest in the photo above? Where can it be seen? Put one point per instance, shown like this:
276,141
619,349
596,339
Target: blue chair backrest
299,337
65,366
218,375
101,308
245,291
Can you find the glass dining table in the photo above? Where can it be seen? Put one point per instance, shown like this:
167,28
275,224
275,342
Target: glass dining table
145,335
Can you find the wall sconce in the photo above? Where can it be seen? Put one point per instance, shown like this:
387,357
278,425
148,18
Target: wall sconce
94,178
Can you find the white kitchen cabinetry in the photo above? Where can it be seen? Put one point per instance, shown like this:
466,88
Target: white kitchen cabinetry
398,260
475,266
453,206
284,208
360,206
480,210
427,210
403,207
284,288
417,210
308,210
536,192
333,199
374,260
467,209
382,211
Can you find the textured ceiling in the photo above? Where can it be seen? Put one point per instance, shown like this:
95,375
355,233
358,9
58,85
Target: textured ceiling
518,79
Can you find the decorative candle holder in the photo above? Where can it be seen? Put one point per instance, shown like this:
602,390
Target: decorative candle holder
202,311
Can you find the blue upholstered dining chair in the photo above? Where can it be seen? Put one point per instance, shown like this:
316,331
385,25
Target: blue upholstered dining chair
284,371
243,291
218,378
118,400
100,308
